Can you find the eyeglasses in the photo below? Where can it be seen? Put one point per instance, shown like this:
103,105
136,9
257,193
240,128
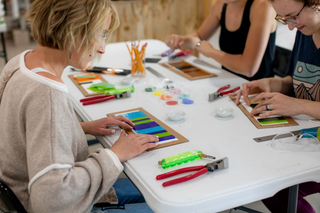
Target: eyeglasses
292,20
299,143
104,35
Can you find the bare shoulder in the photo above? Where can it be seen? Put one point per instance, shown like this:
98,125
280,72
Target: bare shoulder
217,7
261,6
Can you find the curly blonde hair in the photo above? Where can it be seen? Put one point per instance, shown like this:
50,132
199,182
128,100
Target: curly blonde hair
70,24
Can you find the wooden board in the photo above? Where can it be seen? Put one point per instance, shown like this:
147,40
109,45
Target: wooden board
155,19
187,70
80,87
180,138
291,121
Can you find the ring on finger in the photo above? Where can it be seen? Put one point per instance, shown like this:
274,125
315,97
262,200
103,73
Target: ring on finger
169,41
268,108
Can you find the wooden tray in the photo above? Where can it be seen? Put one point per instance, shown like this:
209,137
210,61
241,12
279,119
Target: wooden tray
180,138
84,92
188,70
291,121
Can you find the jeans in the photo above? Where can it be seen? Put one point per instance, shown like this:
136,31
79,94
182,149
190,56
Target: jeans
129,197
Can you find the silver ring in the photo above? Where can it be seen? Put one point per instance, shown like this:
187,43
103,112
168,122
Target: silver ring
169,42
267,107
198,44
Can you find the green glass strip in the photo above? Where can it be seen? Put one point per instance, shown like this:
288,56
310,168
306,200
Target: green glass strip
142,122
164,134
135,119
274,122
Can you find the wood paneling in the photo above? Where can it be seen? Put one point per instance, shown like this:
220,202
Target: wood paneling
155,19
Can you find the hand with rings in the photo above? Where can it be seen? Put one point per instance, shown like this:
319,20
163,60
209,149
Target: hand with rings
274,103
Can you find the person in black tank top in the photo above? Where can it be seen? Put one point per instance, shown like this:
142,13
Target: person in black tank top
247,39
234,42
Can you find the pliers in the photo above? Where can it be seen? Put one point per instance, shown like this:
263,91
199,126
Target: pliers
103,98
215,95
209,167
96,99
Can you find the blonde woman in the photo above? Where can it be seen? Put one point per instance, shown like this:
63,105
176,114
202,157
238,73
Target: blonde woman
44,154
247,38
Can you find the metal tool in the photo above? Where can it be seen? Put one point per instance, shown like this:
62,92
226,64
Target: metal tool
219,93
103,98
209,167
153,71
311,131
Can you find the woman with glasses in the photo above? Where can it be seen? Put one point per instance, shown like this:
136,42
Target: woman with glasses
298,92
247,37
44,157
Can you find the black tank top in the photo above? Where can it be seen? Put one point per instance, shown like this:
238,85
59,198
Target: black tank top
234,43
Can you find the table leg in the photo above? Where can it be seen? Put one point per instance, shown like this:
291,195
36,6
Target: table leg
293,199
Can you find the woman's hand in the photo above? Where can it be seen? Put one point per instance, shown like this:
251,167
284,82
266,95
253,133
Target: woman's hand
276,104
177,42
129,146
99,127
253,87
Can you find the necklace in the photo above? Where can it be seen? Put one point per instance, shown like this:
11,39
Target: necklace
56,74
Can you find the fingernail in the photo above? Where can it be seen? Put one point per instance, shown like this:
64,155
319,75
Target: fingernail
113,131
156,143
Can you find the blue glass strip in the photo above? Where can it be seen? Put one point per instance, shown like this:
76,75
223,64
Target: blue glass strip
133,115
149,130
167,138
145,126
157,132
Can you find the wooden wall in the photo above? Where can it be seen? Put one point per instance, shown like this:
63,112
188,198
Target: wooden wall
155,19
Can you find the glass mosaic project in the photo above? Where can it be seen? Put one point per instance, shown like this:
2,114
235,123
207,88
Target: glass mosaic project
145,125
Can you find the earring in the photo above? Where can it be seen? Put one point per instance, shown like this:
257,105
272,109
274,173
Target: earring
70,54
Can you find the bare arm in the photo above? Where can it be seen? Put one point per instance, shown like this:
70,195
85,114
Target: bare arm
248,63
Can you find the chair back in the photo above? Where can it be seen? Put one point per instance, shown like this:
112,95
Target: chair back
8,201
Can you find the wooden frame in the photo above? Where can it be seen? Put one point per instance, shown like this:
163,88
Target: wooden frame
84,92
187,70
180,138
291,121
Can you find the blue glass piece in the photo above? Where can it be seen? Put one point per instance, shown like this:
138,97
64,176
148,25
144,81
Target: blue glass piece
166,138
149,130
133,115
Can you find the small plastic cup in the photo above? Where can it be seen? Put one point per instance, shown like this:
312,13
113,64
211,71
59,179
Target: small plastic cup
187,97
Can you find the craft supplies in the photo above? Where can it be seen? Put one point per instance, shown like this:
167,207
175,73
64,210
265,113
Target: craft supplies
182,158
219,93
175,115
104,70
187,70
180,54
209,167
166,53
101,87
137,59
224,111
121,90
146,123
103,98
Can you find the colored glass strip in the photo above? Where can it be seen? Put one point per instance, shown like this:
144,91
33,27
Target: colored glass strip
164,134
138,119
149,130
145,126
143,122
166,138
134,115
